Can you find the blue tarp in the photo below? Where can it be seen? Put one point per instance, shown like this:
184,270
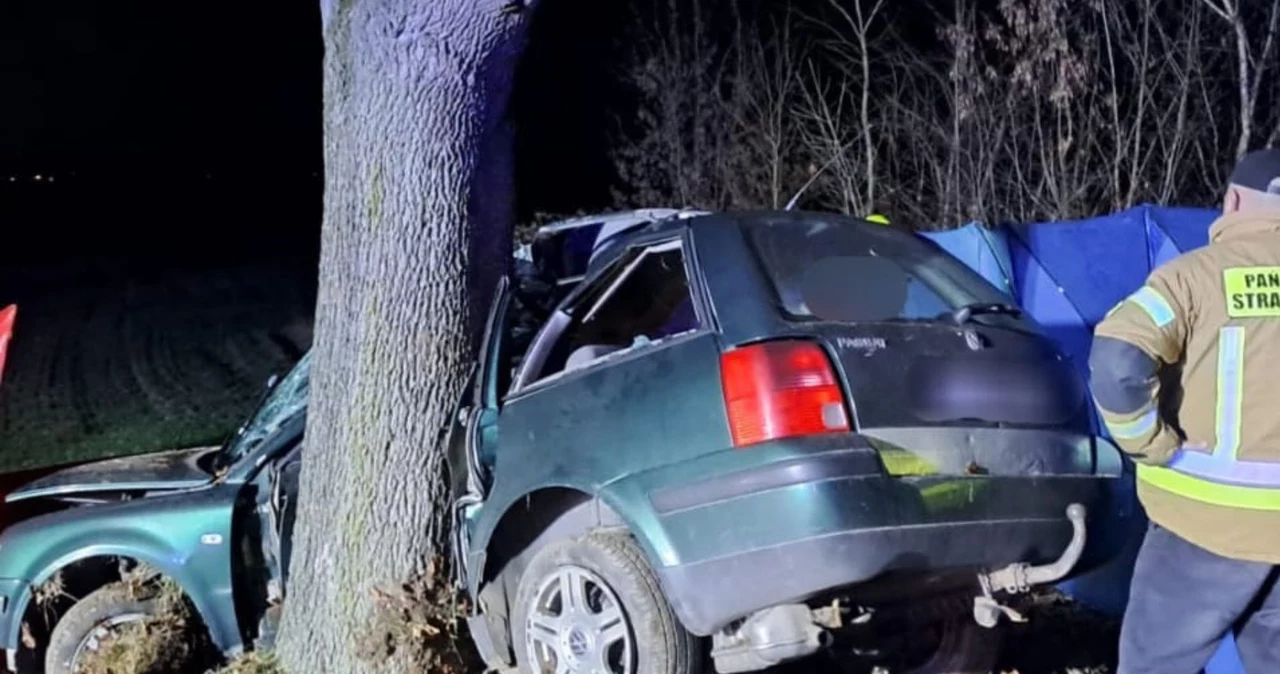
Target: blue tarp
1066,276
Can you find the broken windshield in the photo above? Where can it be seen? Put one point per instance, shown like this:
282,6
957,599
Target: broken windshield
284,401
839,270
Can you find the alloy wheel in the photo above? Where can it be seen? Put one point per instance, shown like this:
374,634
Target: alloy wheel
102,632
576,625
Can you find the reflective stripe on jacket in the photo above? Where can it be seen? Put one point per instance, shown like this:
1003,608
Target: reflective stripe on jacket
1208,448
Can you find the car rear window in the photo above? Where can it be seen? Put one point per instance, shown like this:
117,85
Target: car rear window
843,270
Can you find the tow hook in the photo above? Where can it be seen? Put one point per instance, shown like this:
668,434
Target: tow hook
1020,577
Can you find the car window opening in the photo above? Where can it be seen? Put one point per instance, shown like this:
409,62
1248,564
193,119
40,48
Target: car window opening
649,301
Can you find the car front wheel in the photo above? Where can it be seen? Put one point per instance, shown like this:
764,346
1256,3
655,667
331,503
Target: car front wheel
91,623
593,605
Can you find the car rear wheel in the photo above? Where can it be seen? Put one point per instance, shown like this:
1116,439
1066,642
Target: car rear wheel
960,646
592,604
90,623
952,644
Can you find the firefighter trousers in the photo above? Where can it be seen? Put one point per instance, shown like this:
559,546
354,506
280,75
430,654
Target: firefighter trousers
1184,600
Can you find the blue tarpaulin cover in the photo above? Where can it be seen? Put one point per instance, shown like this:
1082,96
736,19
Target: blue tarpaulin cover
1066,276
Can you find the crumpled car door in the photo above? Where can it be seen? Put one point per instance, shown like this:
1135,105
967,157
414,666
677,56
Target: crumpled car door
284,508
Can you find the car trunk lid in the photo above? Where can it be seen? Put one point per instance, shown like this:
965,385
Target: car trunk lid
930,374
938,365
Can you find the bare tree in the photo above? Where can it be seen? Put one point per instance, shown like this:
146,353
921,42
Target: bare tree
1030,110
1253,56
716,131
414,97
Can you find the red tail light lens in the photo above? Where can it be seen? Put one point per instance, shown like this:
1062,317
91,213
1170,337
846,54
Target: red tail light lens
781,389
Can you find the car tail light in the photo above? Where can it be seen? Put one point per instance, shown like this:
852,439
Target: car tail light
782,389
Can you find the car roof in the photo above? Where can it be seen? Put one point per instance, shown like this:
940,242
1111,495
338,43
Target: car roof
600,238
569,246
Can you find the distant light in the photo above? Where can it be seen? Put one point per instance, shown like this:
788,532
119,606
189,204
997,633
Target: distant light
39,177
50,178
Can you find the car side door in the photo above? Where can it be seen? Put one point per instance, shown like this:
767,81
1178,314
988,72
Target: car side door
625,378
472,435
284,504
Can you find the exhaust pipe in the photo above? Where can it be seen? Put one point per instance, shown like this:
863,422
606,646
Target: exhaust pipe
1020,577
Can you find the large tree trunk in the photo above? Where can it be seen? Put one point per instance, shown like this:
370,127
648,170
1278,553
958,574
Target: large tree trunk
414,96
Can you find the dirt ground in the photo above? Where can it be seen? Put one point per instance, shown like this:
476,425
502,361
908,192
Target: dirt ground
1061,637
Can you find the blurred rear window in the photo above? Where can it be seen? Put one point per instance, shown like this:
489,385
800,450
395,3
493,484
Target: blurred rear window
844,270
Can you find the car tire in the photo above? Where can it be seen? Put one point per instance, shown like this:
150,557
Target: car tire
622,621
106,607
963,647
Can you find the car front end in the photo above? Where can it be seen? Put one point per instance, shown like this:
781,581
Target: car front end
81,527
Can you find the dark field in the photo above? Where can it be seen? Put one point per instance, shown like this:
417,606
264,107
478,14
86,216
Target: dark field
111,359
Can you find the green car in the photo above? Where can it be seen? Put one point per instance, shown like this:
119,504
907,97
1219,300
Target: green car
737,438
764,435
216,520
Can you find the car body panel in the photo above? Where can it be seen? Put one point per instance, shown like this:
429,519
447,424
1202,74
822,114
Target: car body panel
591,455
197,529
921,483
175,469
186,535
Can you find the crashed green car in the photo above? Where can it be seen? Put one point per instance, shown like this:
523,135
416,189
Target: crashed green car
754,437
215,520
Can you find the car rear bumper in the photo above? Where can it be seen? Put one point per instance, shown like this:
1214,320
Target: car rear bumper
798,529
708,595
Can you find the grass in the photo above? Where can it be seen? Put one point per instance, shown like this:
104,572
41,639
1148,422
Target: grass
170,640
419,625
253,662
117,365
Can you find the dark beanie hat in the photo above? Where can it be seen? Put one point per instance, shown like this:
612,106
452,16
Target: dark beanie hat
1259,171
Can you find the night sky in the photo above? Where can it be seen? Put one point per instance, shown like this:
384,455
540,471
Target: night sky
184,133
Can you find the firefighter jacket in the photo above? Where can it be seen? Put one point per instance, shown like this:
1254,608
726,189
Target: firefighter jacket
1186,374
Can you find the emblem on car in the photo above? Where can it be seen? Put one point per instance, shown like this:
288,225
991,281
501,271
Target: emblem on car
869,345
211,539
974,340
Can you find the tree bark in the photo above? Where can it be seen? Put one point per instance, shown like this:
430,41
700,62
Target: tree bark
417,222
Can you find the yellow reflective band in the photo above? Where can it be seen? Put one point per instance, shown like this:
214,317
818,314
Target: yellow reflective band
1230,390
1252,292
901,463
1156,306
1131,430
1230,496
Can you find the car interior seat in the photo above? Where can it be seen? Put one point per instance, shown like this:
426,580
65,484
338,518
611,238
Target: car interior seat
683,319
588,353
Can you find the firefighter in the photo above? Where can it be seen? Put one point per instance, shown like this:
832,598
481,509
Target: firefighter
1186,374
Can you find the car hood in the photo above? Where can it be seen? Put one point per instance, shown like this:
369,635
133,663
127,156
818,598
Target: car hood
171,470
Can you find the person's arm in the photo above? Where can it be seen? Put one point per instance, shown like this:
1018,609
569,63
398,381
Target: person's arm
1144,333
